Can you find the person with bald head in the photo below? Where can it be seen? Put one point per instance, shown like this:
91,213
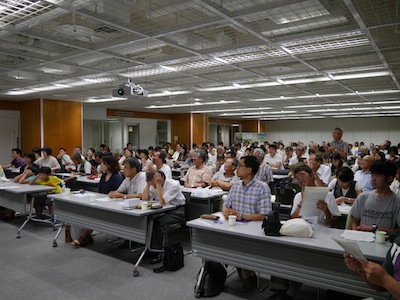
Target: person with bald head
363,176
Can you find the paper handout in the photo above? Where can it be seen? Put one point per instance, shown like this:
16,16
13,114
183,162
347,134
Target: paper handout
311,196
350,247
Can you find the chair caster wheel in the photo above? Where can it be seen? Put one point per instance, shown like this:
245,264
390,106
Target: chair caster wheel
54,244
18,236
136,273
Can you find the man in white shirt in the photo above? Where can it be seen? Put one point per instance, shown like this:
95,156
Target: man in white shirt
274,160
159,161
79,165
322,173
395,186
134,182
164,191
363,176
298,157
225,179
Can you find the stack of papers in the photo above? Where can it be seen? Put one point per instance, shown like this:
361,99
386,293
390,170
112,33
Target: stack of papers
359,236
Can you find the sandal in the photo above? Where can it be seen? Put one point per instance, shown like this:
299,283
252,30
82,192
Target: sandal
76,243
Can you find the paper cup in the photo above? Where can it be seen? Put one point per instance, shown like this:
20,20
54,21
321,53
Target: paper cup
92,198
145,205
232,220
67,191
380,237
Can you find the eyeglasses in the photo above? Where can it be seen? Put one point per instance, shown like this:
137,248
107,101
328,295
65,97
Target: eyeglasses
242,165
300,175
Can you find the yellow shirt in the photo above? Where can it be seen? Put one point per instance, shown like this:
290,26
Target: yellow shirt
54,182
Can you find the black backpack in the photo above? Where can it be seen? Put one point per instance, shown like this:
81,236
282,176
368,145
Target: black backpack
173,256
210,280
271,224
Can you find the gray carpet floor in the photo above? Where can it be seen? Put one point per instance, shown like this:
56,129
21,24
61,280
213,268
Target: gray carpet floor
32,269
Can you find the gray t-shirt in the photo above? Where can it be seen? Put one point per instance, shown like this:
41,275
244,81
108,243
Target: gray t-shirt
382,212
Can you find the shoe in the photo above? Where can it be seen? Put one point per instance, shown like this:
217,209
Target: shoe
157,258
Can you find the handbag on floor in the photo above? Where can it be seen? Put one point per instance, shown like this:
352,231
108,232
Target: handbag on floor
210,280
173,258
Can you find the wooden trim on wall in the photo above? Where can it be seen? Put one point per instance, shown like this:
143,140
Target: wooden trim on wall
138,114
180,127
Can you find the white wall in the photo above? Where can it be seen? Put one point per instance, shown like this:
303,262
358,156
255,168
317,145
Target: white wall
147,131
367,130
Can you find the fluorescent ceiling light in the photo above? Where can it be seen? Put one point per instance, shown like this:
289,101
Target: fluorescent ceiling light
257,109
169,93
94,100
168,68
190,104
221,60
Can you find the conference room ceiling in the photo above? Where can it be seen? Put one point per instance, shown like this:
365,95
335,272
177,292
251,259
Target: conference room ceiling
236,59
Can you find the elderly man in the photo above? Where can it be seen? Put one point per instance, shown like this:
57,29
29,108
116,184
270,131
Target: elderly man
363,176
81,166
164,191
264,173
298,157
248,199
199,175
379,208
322,173
274,160
225,178
338,144
134,182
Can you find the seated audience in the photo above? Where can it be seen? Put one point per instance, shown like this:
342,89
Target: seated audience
29,170
344,188
248,199
380,207
380,278
63,158
225,179
337,163
199,175
109,181
298,157
274,160
363,176
145,160
322,173
79,166
134,182
91,157
43,177
159,161
17,161
48,160
264,172
288,156
164,191
395,185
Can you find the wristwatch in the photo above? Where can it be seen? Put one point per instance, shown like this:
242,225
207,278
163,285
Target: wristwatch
242,217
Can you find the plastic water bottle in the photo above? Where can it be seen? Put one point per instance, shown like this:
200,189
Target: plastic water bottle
63,186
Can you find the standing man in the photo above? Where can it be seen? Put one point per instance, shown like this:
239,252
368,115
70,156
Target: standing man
250,200
338,144
380,207
134,182
164,191
199,175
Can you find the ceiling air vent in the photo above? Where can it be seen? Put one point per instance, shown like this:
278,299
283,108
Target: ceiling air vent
124,113
105,29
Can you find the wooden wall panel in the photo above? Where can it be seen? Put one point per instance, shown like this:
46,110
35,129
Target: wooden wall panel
180,127
262,126
10,105
62,122
224,121
200,128
30,125
250,126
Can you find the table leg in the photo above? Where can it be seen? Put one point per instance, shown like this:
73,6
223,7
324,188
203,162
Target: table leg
58,234
28,218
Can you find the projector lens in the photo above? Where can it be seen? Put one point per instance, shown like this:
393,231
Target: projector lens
120,91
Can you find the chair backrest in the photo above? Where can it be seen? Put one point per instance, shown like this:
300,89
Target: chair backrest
285,195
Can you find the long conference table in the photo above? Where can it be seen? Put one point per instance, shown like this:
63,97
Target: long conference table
97,211
316,261
14,196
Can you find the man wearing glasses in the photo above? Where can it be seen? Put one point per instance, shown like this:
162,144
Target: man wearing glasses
249,200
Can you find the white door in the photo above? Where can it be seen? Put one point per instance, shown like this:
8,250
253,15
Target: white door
9,134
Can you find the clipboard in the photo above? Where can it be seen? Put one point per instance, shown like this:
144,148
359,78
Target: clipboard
311,196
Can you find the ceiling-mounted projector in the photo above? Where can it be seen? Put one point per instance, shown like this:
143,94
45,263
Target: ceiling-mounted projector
129,89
